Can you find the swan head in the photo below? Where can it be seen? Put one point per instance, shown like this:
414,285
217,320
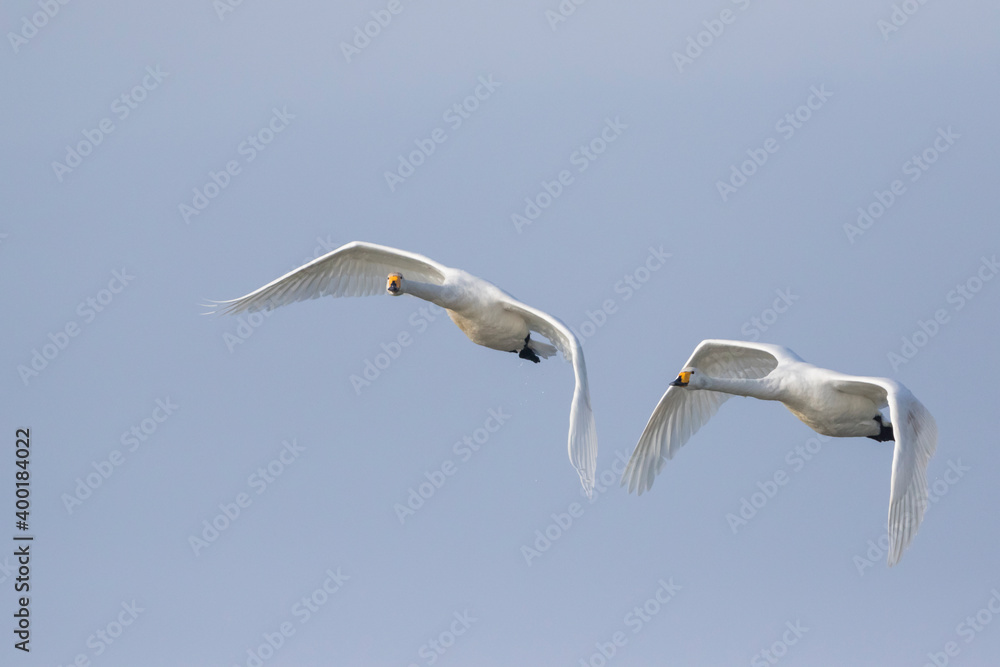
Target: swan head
683,379
394,284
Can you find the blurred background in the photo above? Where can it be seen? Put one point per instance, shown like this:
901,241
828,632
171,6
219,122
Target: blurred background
301,489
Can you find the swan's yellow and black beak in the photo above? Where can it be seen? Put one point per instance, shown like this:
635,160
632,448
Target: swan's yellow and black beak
393,283
682,379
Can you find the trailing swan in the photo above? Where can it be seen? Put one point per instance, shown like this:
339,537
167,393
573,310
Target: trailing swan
828,402
485,313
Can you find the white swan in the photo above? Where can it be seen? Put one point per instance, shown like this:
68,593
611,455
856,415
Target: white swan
485,313
830,403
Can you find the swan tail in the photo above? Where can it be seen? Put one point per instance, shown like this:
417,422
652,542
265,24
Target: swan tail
544,350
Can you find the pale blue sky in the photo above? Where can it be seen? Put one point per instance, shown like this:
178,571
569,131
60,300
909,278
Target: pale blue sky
103,262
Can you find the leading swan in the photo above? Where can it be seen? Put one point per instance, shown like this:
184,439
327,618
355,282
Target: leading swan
485,313
828,402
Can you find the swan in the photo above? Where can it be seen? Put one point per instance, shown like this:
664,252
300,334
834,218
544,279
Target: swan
828,402
486,314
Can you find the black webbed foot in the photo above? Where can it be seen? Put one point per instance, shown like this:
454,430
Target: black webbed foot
885,431
527,353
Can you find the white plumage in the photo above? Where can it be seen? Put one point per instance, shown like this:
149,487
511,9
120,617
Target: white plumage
485,313
830,403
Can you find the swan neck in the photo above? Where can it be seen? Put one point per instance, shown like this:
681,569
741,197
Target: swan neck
761,389
436,294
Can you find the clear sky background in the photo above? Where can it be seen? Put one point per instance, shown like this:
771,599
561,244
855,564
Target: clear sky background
103,270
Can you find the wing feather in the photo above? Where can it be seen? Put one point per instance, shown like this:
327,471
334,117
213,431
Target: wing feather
354,269
680,413
915,433
582,430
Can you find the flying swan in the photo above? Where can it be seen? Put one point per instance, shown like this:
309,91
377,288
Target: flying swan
828,402
486,314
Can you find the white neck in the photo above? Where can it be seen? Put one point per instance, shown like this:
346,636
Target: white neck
437,294
763,388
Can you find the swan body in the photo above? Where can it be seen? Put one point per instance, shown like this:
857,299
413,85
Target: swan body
479,309
485,313
830,403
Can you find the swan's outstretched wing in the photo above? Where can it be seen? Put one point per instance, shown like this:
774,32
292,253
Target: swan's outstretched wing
582,432
680,413
915,433
354,269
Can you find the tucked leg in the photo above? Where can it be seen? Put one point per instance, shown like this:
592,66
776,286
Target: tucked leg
527,353
885,431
